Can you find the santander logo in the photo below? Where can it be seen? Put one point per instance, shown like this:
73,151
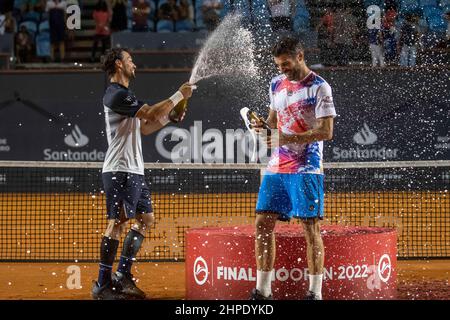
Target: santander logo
365,136
200,271
76,138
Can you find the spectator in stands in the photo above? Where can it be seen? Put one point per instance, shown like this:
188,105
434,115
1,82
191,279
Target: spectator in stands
169,11
7,23
389,34
185,16
119,19
281,14
409,41
376,47
57,20
141,11
344,36
211,13
23,45
101,16
325,36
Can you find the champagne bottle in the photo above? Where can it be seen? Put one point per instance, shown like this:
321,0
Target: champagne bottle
177,112
255,117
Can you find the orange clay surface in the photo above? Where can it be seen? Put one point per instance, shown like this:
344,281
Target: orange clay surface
417,279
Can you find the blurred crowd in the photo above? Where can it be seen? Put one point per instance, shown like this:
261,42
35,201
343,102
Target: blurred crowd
407,26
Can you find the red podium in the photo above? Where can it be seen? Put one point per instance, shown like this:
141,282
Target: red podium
360,263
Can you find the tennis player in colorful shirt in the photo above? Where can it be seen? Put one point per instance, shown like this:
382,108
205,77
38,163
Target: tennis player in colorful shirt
302,111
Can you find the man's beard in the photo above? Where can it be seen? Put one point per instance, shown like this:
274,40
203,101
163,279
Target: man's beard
293,75
130,75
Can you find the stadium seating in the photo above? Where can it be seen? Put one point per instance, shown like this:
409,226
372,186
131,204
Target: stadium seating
44,26
429,11
437,24
408,6
164,26
301,19
184,26
428,3
241,6
43,44
43,39
261,14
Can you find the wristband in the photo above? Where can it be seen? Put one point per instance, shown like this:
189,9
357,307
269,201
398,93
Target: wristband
177,97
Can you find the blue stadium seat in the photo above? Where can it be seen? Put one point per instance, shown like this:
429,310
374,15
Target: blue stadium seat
43,44
428,3
129,9
31,16
164,26
242,6
437,24
151,24
184,26
44,27
261,13
260,3
199,23
225,9
431,11
408,6
153,10
301,20
18,3
261,18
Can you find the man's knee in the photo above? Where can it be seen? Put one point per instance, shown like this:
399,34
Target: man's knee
312,231
145,221
265,222
116,227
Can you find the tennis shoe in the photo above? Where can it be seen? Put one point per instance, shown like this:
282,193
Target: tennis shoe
127,285
256,295
312,296
106,292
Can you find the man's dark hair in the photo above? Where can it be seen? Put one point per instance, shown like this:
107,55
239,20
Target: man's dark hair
108,60
101,6
288,45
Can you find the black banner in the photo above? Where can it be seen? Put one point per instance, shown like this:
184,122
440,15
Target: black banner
387,115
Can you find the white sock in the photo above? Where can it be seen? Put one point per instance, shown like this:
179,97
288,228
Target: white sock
264,282
315,284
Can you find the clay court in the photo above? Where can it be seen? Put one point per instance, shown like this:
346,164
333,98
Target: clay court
417,280
49,232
